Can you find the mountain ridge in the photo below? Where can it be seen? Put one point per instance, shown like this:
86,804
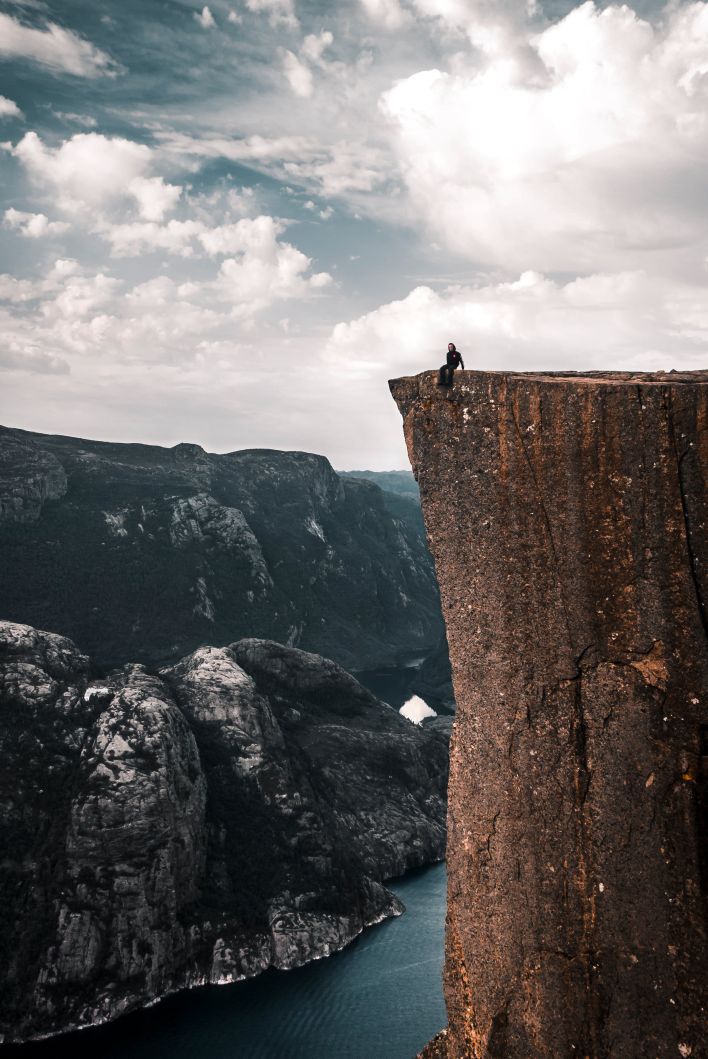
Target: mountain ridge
194,547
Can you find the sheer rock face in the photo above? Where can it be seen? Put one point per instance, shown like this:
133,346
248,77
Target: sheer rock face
29,476
236,811
140,553
567,517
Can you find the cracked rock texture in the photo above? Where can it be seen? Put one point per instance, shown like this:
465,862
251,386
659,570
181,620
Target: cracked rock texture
567,517
240,809
140,553
29,476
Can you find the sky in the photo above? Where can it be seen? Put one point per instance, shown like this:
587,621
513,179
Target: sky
231,224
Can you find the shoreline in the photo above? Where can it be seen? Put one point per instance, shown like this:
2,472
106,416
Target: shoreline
21,1048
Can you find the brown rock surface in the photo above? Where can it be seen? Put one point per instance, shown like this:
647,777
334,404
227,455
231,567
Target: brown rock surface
567,519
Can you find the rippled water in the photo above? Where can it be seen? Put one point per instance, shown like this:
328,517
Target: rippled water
380,998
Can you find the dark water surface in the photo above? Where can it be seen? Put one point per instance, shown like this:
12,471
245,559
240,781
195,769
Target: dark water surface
392,685
380,998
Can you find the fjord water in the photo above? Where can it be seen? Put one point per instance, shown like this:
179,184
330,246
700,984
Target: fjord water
393,685
380,998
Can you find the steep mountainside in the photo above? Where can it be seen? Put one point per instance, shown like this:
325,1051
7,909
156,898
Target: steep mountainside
567,516
237,810
140,553
402,483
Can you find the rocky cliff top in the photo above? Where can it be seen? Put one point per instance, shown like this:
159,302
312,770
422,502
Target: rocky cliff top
648,378
472,384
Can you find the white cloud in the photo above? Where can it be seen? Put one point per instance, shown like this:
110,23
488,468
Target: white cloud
82,296
186,238
8,108
62,267
388,13
154,292
324,213
255,148
234,18
88,169
15,290
67,315
257,270
20,290
205,18
32,225
75,313
70,313
298,74
298,69
338,169
246,235
563,171
155,198
97,171
134,238
344,168
30,360
277,10
264,269
85,120
319,280
615,320
315,44
55,47
493,26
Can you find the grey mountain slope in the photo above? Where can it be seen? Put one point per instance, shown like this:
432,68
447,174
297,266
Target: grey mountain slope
141,553
238,810
402,483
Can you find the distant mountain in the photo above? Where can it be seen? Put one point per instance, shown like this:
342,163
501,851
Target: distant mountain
401,482
141,553
400,495
433,678
236,810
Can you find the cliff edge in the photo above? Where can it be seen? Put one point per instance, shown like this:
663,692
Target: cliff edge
566,514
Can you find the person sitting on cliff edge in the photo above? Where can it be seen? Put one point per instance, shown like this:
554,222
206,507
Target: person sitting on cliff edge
454,360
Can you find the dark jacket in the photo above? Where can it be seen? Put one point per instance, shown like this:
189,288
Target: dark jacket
454,359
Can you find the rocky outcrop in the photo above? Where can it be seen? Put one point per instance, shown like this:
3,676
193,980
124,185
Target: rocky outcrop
238,810
567,519
141,554
29,476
